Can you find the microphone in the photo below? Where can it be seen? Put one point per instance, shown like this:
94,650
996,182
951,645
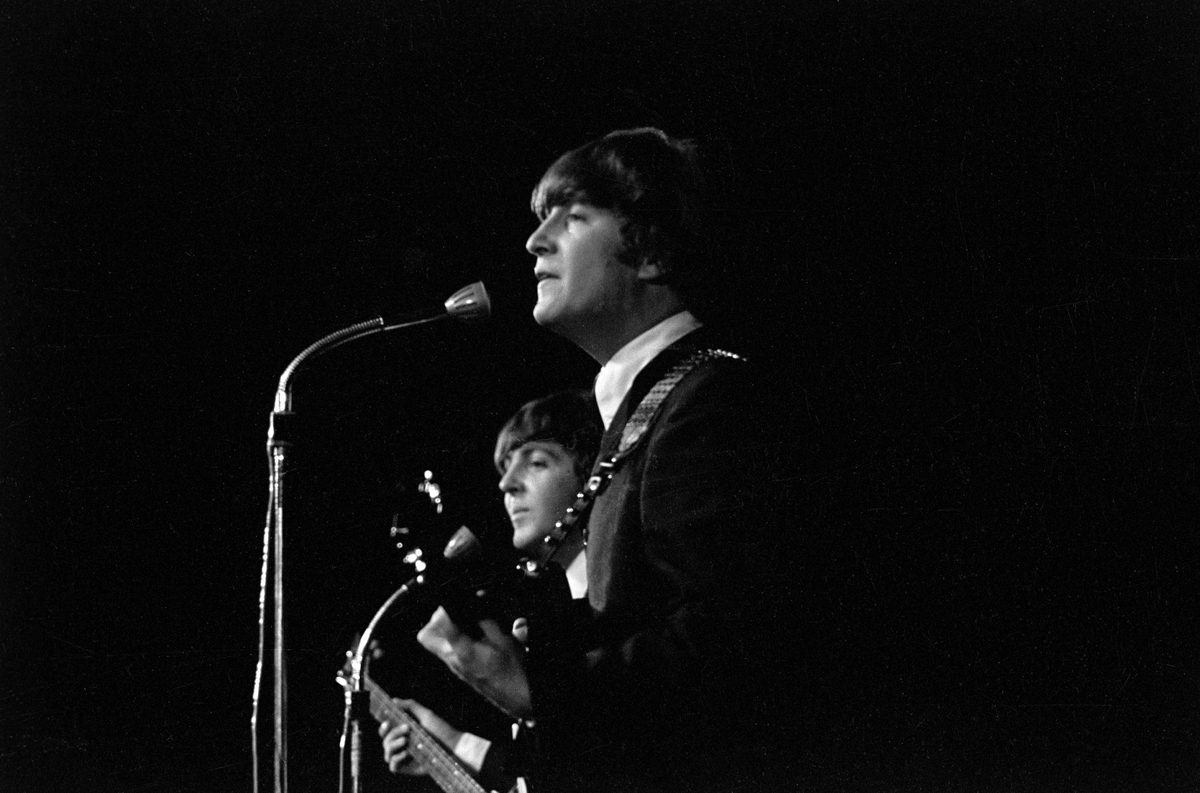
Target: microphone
464,544
468,583
447,573
469,304
461,553
472,587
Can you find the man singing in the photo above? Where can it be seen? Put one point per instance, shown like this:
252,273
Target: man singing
669,687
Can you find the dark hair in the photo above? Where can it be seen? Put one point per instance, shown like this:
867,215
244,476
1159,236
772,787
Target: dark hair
652,180
569,418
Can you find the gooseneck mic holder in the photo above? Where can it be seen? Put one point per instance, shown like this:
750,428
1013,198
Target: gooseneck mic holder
462,545
471,303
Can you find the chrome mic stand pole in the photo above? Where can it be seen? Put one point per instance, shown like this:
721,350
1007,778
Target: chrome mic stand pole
279,441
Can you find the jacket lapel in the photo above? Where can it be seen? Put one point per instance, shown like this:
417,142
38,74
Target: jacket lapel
644,381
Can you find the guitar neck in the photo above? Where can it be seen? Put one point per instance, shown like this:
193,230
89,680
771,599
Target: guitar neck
444,768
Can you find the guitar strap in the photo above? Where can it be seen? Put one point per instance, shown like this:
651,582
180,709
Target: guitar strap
525,735
633,432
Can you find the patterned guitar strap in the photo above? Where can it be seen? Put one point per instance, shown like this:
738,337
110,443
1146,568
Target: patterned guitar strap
524,734
634,430
602,473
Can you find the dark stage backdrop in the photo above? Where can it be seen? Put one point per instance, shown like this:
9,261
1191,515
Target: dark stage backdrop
964,233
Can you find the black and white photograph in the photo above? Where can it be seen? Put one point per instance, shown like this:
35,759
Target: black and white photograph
614,396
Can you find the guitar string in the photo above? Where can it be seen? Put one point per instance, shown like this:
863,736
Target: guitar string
440,761
442,766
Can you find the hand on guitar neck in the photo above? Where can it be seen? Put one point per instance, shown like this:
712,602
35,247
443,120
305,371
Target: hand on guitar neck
396,734
416,740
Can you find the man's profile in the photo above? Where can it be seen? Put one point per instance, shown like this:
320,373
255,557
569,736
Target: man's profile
670,686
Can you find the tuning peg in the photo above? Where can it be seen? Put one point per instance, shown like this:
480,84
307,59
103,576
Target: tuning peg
396,527
414,557
433,490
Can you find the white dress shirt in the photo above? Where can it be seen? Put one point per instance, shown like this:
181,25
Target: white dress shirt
617,376
577,576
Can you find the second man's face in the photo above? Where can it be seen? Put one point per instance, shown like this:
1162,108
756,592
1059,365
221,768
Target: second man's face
581,283
539,483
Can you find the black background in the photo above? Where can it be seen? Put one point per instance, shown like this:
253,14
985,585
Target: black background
969,229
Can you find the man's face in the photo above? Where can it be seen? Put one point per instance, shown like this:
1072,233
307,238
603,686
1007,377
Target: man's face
581,284
539,483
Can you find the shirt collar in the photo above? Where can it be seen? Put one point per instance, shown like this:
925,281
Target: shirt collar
616,377
577,575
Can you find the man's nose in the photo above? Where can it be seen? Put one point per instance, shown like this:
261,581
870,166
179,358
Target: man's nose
510,482
540,242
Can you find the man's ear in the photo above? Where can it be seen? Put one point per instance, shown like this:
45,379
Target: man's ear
653,271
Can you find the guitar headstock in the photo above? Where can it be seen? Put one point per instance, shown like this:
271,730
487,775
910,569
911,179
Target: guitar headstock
345,675
416,509
418,520
421,523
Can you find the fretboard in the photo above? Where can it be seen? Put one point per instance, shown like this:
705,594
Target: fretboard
444,768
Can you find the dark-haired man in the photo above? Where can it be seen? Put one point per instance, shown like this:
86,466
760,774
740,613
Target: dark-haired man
669,690
543,454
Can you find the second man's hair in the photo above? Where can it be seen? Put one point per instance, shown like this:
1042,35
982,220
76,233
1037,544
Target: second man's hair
568,418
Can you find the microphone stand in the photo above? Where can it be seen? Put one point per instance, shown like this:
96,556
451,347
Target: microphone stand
358,701
471,303
463,543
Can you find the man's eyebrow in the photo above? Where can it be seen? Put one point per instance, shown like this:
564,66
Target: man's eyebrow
552,448
507,460
517,451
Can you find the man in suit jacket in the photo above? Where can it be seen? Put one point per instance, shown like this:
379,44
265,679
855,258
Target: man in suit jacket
543,455
673,686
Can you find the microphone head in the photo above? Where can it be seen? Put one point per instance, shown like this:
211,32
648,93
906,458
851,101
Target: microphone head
470,304
463,545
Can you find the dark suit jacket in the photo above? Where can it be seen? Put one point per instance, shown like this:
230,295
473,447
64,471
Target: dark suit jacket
670,690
